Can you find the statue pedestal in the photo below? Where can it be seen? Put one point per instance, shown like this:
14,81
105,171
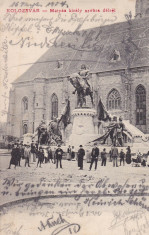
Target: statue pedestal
83,129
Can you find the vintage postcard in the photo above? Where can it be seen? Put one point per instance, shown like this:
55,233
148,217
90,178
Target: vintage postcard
74,117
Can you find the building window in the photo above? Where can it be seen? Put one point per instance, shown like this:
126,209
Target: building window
59,64
140,105
25,104
115,56
25,129
114,100
54,106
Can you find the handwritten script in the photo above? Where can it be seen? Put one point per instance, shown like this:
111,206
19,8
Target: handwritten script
4,95
64,225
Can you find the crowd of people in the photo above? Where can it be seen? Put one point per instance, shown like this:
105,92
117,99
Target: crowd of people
45,154
30,152
118,158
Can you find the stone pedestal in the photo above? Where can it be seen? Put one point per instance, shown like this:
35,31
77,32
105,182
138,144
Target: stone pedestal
83,130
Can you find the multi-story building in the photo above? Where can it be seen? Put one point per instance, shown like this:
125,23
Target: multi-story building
117,56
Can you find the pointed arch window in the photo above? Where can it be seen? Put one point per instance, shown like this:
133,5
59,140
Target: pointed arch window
140,105
25,104
54,106
114,100
25,128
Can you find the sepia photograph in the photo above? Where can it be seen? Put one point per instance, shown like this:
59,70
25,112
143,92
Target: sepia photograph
74,117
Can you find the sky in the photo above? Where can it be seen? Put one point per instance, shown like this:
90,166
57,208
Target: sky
16,60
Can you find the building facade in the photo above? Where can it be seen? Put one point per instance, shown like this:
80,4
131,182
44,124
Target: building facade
3,128
117,56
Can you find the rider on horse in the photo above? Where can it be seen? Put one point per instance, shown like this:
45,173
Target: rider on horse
80,82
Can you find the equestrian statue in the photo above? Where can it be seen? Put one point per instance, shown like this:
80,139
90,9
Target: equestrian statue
82,87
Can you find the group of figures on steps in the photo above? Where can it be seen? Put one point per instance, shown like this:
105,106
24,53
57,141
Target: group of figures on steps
50,134
114,131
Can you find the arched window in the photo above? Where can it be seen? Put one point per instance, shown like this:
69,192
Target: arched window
140,105
25,129
114,100
54,106
25,104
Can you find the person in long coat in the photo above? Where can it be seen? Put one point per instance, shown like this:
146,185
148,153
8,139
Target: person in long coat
14,156
128,155
81,154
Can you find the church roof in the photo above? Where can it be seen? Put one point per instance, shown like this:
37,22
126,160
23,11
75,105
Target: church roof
111,47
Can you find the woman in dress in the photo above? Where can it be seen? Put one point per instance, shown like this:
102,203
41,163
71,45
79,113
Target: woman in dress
128,155
14,156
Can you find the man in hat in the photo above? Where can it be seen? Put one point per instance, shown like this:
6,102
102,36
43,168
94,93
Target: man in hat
94,156
58,156
81,154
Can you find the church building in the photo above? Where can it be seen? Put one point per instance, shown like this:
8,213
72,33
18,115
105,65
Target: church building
117,57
